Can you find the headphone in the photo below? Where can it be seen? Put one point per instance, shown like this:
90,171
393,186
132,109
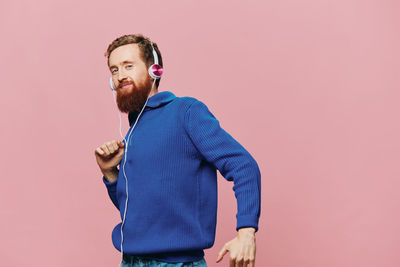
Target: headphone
155,71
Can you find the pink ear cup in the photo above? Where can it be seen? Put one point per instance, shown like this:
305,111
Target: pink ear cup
155,71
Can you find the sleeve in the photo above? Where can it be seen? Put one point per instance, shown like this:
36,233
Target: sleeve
232,160
112,191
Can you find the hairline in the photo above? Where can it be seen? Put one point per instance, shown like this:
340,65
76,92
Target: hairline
141,55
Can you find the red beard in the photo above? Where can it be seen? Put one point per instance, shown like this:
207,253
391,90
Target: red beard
133,99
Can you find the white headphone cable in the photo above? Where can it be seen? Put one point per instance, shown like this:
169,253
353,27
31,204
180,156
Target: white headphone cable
126,154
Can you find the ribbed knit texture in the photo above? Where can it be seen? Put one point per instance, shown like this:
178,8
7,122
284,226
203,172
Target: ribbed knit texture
173,155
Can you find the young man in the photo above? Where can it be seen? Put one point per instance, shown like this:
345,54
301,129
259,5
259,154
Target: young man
165,185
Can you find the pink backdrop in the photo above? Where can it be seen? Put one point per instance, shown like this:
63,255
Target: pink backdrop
309,88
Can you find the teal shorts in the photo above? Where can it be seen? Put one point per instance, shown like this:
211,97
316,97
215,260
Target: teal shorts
135,261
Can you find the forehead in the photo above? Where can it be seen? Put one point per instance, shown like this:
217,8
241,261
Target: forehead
128,52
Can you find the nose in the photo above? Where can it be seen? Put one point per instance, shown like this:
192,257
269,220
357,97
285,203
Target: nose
121,75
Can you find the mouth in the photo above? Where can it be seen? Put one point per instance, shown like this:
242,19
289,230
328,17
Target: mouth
124,86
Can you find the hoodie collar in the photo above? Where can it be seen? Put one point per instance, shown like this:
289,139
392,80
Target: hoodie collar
154,101
160,99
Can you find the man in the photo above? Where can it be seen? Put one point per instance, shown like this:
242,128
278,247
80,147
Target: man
172,156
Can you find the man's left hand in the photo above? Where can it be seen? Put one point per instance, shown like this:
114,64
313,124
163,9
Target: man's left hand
242,248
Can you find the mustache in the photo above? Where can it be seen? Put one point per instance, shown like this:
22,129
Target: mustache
125,83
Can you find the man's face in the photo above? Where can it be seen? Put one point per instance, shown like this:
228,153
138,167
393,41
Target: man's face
130,77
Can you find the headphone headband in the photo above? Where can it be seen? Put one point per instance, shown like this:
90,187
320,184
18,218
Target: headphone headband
154,54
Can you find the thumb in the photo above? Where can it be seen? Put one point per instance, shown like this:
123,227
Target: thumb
222,253
121,144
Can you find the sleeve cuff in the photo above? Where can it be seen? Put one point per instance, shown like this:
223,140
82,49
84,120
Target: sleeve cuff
247,221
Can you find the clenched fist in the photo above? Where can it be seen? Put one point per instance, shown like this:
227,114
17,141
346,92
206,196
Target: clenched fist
108,156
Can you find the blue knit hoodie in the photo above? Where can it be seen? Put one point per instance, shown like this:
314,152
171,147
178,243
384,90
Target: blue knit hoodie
173,155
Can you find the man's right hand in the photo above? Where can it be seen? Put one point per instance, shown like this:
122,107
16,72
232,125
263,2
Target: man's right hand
108,156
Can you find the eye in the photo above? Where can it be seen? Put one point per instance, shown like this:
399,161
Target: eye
113,70
130,65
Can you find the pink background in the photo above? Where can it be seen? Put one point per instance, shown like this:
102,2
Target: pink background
309,88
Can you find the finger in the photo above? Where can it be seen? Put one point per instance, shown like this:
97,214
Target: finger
115,144
99,151
222,253
105,149
239,262
246,256
110,147
232,262
246,262
253,257
121,144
